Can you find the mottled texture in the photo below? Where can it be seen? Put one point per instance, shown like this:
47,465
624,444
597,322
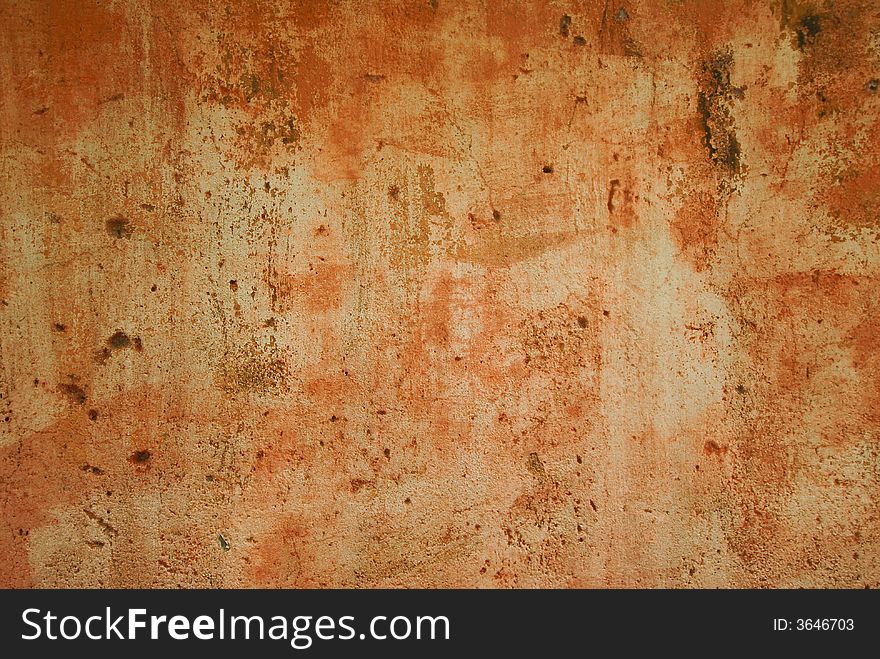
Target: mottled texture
435,293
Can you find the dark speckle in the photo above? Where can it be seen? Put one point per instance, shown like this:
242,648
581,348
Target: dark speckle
119,227
714,102
582,322
233,285
612,188
256,368
74,392
59,327
140,457
496,215
740,389
564,24
713,448
547,169
580,41
394,192
119,340
153,288
535,465
872,85
93,415
387,453
809,27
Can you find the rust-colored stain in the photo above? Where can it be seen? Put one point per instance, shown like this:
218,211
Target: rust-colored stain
435,293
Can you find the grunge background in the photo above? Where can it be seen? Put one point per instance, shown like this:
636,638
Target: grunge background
440,293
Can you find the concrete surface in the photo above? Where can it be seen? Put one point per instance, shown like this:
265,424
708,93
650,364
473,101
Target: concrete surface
435,293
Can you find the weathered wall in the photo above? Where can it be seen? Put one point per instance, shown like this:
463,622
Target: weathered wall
435,293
